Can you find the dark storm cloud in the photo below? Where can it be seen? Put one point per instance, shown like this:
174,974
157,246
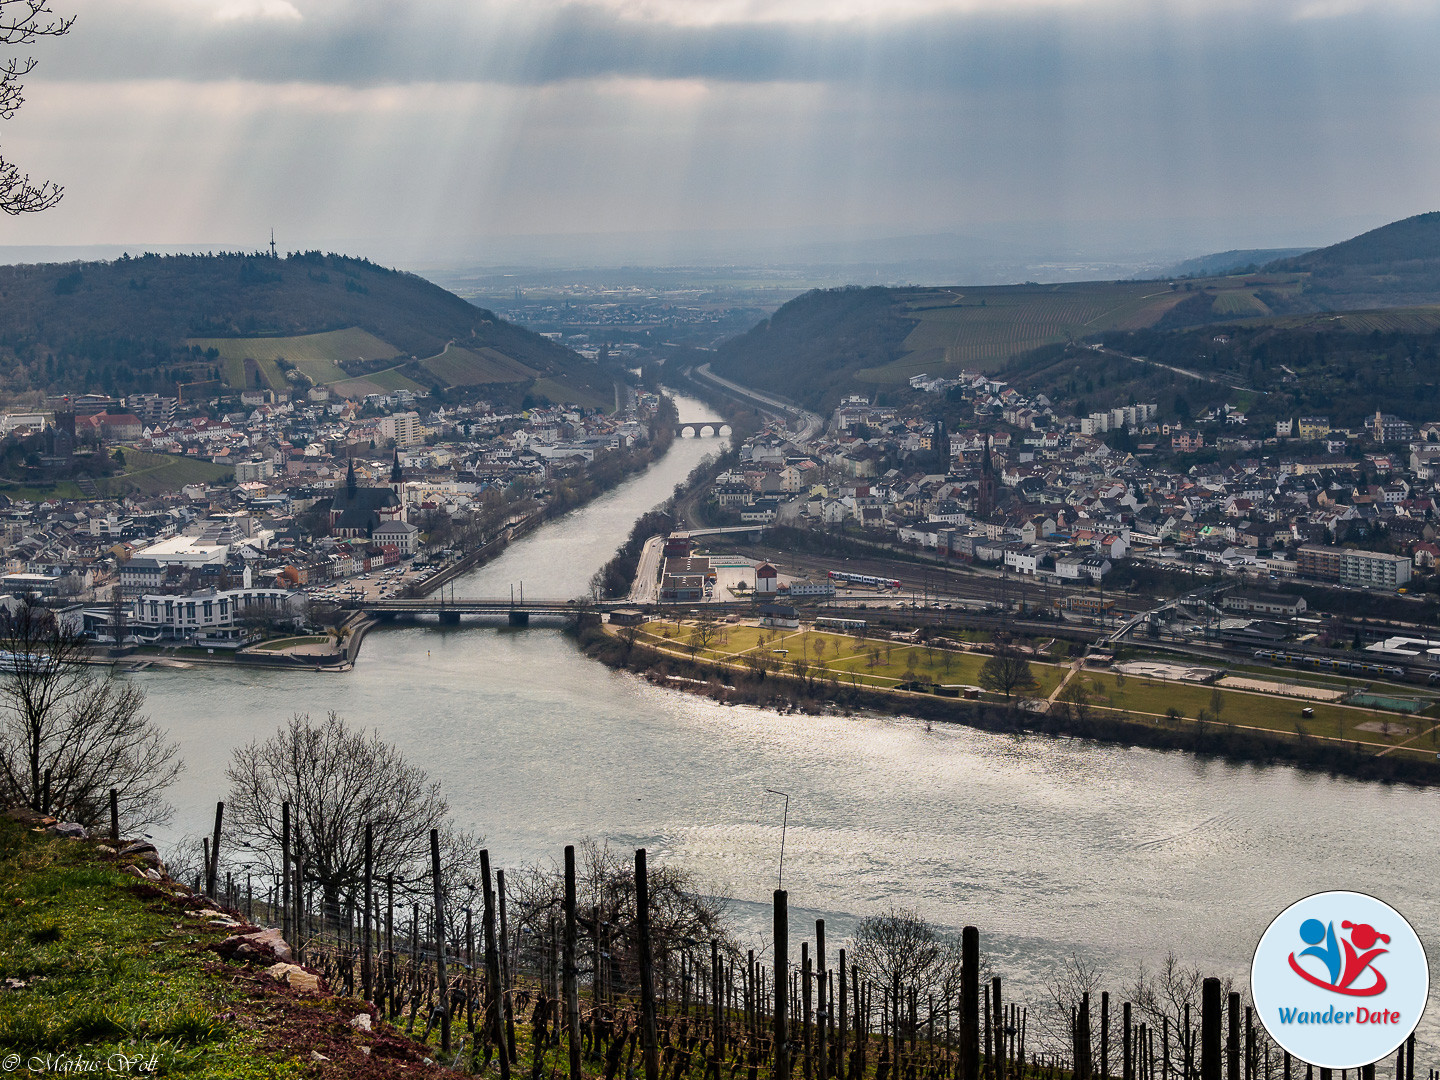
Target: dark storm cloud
1224,51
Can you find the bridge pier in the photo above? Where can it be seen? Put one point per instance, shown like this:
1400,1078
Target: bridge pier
450,618
519,618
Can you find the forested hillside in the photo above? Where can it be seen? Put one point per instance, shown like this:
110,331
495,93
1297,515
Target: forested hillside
1342,330
136,324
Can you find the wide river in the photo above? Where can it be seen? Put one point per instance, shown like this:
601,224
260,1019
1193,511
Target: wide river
1049,846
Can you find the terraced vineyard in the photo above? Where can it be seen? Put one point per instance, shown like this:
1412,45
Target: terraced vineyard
984,327
1416,320
475,367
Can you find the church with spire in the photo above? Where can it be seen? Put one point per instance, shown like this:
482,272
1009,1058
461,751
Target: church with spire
985,496
357,511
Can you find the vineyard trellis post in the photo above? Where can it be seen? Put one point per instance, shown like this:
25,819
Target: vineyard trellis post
1127,1054
366,957
782,985
390,944
1105,1035
494,1024
505,973
570,973
995,1003
1210,1008
212,868
717,1008
442,981
1232,1039
842,1064
648,1033
805,972
821,1009
285,874
969,1004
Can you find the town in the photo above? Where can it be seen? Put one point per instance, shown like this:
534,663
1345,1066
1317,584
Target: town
246,518
1050,496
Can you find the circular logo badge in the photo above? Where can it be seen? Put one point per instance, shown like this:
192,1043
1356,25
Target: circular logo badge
1339,980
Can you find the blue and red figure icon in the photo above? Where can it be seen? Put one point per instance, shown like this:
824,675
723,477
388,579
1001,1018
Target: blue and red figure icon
1359,955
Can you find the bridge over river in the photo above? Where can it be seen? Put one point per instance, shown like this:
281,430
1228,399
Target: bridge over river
704,429
517,610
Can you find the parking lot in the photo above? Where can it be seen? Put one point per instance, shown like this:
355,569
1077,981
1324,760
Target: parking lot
378,584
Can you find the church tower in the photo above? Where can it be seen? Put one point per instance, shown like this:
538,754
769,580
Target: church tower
352,486
397,485
985,500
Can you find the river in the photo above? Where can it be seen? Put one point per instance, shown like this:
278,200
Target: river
1049,846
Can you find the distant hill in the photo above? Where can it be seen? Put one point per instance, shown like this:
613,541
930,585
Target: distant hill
1411,240
1229,262
150,323
833,341
828,343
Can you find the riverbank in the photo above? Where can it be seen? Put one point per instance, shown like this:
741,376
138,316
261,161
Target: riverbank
735,683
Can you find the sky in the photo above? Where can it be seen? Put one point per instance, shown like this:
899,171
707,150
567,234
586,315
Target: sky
452,127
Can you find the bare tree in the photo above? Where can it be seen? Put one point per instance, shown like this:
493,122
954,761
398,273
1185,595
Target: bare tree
901,951
336,780
1007,671
78,725
1075,699
1164,994
1071,981
703,634
22,22
681,915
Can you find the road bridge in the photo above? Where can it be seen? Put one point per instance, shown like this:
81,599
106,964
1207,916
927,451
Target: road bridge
515,611
704,429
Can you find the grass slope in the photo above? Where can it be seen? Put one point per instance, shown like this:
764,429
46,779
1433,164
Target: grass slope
100,963
151,474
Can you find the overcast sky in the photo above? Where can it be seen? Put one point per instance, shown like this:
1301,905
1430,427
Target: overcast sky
434,124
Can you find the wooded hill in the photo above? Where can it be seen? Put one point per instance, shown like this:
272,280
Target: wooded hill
152,322
1284,341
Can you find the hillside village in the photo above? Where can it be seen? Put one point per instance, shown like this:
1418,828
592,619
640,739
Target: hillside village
309,496
1072,498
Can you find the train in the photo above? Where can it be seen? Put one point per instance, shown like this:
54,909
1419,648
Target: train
845,578
831,622
1326,663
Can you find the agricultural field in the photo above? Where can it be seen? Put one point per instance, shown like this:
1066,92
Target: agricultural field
1414,320
1240,304
318,356
457,366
